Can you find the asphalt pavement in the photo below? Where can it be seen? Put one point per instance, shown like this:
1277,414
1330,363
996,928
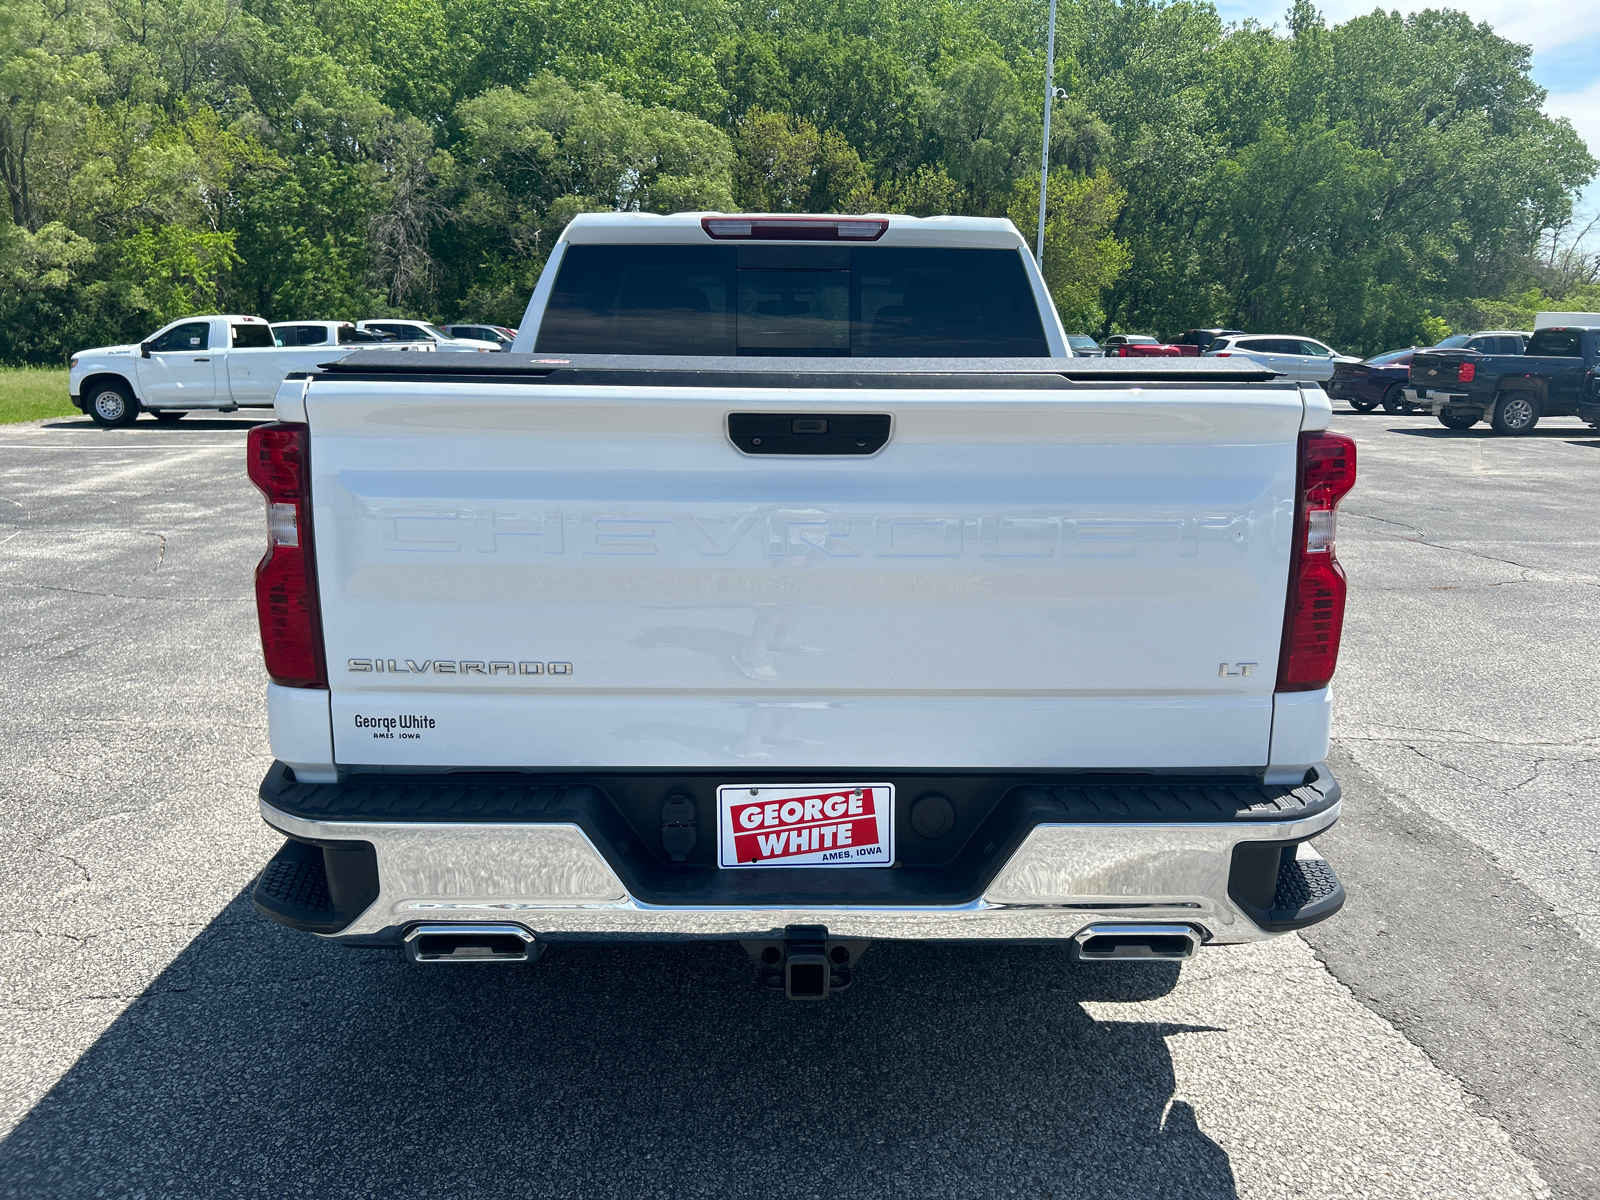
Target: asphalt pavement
1440,1038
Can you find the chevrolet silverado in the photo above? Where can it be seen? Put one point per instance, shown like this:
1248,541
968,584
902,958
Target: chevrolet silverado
790,584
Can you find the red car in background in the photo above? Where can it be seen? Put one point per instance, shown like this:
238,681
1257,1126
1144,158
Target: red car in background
1138,345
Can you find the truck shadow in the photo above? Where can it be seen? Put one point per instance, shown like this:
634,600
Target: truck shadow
262,1062
1483,431
195,423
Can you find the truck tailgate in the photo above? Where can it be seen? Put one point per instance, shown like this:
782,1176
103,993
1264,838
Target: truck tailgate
524,574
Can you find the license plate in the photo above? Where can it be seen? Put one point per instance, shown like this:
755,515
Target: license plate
805,825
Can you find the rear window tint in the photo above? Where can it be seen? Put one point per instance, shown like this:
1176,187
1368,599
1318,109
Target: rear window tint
301,335
1557,343
862,301
408,333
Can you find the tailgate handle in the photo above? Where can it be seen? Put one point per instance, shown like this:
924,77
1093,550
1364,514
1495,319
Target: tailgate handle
808,433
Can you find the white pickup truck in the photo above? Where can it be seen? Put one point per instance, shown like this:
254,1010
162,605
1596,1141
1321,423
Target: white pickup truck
791,584
219,362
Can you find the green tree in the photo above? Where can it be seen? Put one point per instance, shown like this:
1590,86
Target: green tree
1082,256
50,74
537,155
987,132
172,270
784,164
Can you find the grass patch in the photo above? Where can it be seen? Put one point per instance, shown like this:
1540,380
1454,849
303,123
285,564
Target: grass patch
33,393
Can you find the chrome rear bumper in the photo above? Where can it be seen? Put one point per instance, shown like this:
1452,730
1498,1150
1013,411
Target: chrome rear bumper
551,879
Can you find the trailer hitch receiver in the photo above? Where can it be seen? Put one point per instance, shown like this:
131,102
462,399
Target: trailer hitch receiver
806,964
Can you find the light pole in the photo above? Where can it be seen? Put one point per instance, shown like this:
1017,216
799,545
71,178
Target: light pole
1050,91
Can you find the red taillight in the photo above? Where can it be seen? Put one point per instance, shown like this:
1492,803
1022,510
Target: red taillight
286,577
796,229
1466,372
1315,614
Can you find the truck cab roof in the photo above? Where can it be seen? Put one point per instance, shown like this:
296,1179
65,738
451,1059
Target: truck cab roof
702,228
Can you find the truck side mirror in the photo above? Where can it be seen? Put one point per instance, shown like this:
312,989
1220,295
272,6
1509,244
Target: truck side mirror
144,349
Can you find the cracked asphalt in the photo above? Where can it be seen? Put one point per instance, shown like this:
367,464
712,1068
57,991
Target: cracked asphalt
1439,1038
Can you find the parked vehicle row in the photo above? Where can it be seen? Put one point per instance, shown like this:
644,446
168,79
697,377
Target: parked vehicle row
1302,359
1512,391
442,339
1508,377
500,335
231,361
1383,378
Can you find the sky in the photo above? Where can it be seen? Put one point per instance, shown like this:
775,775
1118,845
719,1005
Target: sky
1564,34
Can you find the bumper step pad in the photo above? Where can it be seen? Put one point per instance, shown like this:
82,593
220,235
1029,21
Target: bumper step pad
1284,886
319,889
1308,890
291,881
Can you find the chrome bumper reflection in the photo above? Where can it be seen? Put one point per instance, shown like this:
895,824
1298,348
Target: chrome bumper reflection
551,879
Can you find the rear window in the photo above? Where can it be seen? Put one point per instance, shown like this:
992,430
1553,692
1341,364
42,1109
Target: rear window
251,337
301,335
1557,343
862,301
405,332
1394,356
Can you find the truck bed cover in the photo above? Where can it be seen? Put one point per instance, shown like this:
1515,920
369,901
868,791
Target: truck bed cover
623,370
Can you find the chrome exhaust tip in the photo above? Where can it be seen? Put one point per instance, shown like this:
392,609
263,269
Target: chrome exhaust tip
1125,943
471,943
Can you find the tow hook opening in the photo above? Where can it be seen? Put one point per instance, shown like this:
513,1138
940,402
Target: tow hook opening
471,943
806,964
1111,943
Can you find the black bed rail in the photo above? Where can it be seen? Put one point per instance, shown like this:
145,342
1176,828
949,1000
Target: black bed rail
633,370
